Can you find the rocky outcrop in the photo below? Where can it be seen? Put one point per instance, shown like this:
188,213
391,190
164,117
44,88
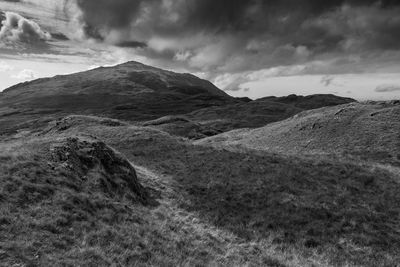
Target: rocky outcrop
99,168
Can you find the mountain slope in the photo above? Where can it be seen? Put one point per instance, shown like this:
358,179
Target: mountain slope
85,190
130,91
131,78
136,92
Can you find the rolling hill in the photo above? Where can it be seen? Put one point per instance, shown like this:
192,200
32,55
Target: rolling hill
70,198
366,130
137,92
248,114
136,166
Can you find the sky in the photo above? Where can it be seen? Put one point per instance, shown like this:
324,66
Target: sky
251,48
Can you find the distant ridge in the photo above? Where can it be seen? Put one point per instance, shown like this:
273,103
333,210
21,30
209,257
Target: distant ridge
136,92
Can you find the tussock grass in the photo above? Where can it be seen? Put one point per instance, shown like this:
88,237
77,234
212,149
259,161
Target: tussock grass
54,212
343,212
212,207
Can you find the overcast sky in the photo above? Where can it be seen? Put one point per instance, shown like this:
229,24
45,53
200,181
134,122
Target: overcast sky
249,48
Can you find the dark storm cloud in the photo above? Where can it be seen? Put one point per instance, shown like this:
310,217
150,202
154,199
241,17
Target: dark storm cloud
240,35
234,15
132,44
99,15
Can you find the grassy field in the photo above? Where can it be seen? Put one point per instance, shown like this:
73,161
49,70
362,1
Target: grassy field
221,207
311,188
61,205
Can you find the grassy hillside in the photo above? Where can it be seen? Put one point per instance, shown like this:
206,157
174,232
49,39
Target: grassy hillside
272,209
262,111
368,131
211,121
74,201
130,91
130,188
136,92
311,101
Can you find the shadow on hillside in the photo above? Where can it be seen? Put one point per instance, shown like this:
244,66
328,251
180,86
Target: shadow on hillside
324,205
347,211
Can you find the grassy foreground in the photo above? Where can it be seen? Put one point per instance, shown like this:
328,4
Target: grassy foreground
194,205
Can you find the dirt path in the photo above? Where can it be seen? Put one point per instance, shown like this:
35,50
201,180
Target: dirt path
224,247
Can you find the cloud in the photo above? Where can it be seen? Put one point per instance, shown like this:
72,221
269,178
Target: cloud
387,88
18,31
25,74
231,82
132,44
231,36
327,80
5,67
182,55
234,82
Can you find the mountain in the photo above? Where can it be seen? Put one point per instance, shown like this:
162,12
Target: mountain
136,92
130,91
133,166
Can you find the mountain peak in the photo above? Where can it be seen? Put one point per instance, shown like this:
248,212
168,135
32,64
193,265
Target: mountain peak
131,91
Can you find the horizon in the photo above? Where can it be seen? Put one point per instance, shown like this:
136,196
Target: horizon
243,48
277,93
200,133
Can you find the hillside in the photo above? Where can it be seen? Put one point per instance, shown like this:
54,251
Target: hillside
240,208
136,166
247,114
137,92
130,91
309,102
365,130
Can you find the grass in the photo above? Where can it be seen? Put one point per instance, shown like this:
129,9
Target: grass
55,214
212,207
348,214
364,131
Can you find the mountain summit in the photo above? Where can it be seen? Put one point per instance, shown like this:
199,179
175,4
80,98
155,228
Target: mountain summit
130,91
127,91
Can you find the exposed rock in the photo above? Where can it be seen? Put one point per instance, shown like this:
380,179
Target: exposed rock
100,167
